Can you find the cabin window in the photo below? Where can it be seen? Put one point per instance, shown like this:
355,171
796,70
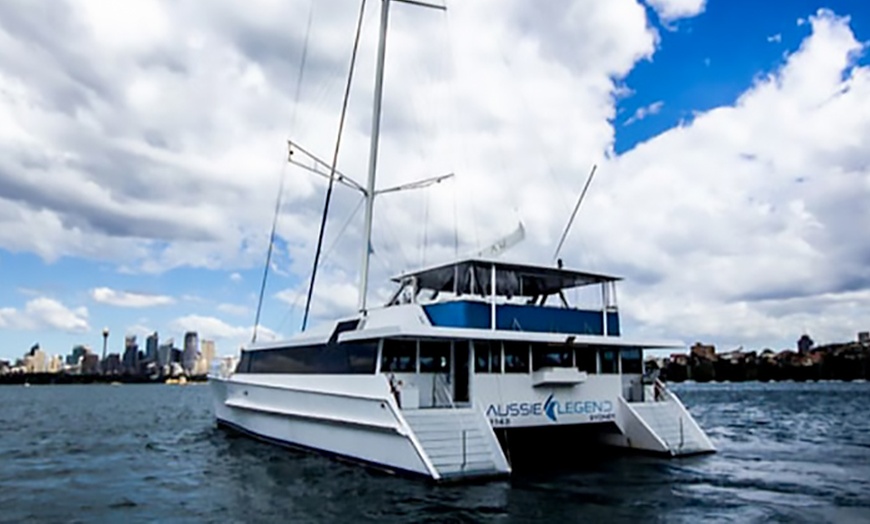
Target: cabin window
516,357
481,357
285,360
551,356
361,357
399,356
434,357
632,361
244,363
356,358
487,356
608,361
587,360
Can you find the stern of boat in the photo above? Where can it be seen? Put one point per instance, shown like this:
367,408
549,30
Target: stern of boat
660,424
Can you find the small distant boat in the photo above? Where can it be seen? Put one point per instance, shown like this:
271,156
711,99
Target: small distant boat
26,384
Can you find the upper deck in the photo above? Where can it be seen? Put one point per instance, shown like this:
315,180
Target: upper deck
489,294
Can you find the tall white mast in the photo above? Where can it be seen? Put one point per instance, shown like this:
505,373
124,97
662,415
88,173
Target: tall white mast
370,192
373,155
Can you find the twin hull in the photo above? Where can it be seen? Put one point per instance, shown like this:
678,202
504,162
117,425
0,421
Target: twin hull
357,417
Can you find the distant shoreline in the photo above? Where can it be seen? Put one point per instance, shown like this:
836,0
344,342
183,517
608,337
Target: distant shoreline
43,379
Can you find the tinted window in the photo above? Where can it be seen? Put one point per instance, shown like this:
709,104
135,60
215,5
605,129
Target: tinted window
434,357
587,359
358,358
608,361
551,356
244,363
516,357
399,356
481,356
632,362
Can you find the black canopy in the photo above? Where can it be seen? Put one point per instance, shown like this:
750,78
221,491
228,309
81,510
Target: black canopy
472,276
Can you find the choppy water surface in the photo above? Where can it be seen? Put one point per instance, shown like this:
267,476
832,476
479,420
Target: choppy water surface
788,453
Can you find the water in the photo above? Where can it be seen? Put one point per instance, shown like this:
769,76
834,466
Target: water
788,453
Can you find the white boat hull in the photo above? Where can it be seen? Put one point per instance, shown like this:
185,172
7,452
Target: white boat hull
364,428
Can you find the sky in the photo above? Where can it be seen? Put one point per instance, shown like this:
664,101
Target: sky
143,147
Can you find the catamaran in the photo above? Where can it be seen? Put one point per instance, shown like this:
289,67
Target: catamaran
469,364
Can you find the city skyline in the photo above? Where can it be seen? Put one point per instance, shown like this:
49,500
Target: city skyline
144,144
157,358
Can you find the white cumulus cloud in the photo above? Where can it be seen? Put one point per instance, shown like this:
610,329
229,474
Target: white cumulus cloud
645,111
114,297
45,313
228,337
669,10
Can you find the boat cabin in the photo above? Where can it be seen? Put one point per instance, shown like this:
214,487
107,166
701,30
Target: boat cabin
497,335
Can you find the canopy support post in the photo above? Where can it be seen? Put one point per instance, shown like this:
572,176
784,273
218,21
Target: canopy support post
492,297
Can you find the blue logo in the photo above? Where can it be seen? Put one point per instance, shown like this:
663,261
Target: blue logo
551,408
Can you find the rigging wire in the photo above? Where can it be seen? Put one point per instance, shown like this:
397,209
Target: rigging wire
328,198
453,62
425,231
325,257
283,171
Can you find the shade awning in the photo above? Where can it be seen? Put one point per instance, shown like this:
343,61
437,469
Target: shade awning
474,276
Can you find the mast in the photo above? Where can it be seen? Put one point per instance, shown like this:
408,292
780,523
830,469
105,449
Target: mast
373,155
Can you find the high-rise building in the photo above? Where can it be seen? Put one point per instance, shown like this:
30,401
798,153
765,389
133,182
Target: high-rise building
190,353
55,364
90,364
78,353
131,355
36,361
151,347
206,355
164,353
112,364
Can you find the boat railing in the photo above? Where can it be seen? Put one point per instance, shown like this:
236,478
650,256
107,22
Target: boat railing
443,397
662,393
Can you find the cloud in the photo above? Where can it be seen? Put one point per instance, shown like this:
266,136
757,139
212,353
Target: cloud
45,314
113,297
234,309
670,10
645,111
728,216
335,296
752,210
227,336
236,277
777,38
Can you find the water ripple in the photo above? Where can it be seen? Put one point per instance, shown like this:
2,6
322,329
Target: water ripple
144,453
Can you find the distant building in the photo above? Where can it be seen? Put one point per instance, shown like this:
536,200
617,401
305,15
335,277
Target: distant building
151,348
864,337
164,353
190,352
4,367
131,355
112,365
36,361
78,354
704,351
90,364
206,356
804,344
55,364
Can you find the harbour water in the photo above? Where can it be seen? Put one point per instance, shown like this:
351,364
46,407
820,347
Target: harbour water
788,452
